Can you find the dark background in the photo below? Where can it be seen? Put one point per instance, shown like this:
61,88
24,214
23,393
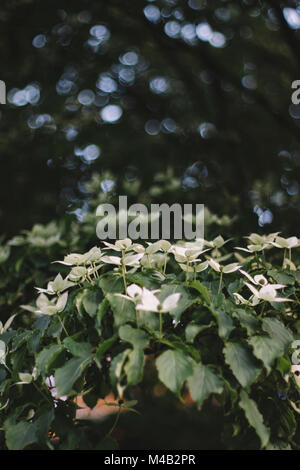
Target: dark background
204,88
201,112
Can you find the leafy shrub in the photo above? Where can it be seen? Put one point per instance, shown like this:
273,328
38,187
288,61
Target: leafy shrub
214,324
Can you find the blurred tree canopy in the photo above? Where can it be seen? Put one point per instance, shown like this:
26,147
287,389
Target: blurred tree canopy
195,93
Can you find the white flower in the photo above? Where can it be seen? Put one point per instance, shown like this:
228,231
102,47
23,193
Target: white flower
134,290
217,242
150,303
258,242
186,255
198,268
128,260
92,256
253,248
165,245
251,301
258,279
72,259
134,293
256,239
120,245
44,306
57,286
157,260
229,268
7,324
78,273
268,292
286,243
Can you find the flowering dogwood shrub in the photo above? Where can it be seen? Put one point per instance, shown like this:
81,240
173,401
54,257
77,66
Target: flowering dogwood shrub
215,323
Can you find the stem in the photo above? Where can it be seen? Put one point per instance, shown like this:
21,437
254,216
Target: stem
124,272
62,324
263,257
220,283
284,253
42,393
137,318
96,271
256,258
165,264
187,273
290,254
7,368
160,324
115,422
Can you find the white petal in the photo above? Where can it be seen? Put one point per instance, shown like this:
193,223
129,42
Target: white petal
230,268
170,302
62,302
213,264
133,290
253,290
112,260
131,260
248,276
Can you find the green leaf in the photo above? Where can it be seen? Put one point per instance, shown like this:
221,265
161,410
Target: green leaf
18,436
203,383
246,320
134,366
176,343
225,323
278,445
83,350
129,404
25,378
111,283
42,323
123,309
104,346
102,309
2,352
174,367
149,320
138,338
47,357
266,349
278,331
116,367
202,290
254,418
147,278
66,376
282,277
42,425
296,275
185,300
242,363
91,300
283,366
193,329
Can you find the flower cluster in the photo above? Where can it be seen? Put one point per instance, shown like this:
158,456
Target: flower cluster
191,257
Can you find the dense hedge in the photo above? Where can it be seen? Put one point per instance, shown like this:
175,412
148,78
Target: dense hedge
208,319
